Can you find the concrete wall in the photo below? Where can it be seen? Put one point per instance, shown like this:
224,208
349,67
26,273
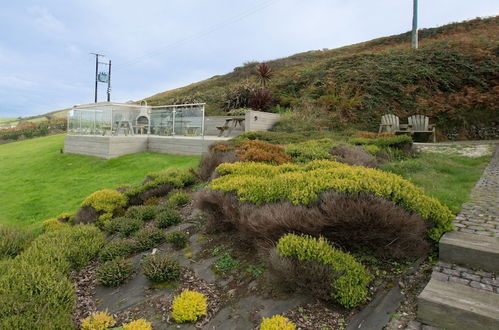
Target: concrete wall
211,123
260,121
179,146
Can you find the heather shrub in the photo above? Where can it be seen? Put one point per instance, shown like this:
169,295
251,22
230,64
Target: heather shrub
85,215
105,201
277,322
114,272
167,217
116,249
127,226
142,212
66,217
189,306
212,159
140,324
301,184
53,225
161,268
147,238
283,137
371,148
178,239
402,142
179,198
350,278
353,155
13,240
153,201
259,151
310,150
98,321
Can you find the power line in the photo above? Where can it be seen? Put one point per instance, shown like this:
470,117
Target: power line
200,34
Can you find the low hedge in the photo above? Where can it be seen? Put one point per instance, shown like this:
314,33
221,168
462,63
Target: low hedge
398,141
350,278
35,290
301,184
310,150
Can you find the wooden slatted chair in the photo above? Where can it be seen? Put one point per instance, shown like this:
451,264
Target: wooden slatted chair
421,124
389,124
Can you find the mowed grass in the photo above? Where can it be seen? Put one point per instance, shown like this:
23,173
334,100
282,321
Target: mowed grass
38,182
449,178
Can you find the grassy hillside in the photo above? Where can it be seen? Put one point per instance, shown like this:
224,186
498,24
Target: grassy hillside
453,77
38,182
34,119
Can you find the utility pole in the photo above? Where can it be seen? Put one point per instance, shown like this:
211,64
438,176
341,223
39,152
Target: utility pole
109,82
96,71
415,24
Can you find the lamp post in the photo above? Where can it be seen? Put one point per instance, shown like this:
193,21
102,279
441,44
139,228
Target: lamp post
415,24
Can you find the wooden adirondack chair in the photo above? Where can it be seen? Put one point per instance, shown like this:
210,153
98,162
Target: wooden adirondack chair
389,124
421,124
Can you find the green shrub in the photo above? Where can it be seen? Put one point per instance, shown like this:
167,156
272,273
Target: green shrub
13,240
116,249
114,272
179,198
127,226
53,225
142,212
310,150
161,268
147,238
106,201
189,306
371,148
178,239
226,262
301,184
402,142
168,217
350,285
282,137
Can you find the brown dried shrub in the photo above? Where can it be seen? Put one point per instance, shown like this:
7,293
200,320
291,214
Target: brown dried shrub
353,155
259,151
373,135
211,160
359,222
86,214
158,191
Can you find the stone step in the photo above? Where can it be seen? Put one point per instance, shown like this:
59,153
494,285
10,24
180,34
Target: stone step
454,306
470,250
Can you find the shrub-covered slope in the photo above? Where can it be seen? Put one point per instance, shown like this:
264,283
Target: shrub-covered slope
453,78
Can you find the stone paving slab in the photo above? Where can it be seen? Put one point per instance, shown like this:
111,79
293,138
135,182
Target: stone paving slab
477,279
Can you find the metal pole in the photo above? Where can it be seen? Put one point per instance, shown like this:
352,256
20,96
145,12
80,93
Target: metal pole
202,123
96,73
109,83
415,24
173,121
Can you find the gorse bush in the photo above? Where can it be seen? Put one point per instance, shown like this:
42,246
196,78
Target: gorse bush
261,183
161,268
189,306
258,151
140,324
35,291
116,249
310,150
13,240
98,321
277,322
167,217
114,272
349,287
105,201
142,212
178,239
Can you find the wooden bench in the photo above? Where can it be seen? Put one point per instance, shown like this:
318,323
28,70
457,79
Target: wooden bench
389,124
421,124
222,129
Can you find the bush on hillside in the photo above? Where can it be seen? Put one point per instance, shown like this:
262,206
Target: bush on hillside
52,225
282,138
189,306
142,212
258,151
105,203
147,238
353,155
259,183
114,272
119,248
66,217
140,324
212,159
401,142
359,222
161,268
126,226
277,322
13,240
179,198
167,218
346,279
98,321
178,239
304,152
31,130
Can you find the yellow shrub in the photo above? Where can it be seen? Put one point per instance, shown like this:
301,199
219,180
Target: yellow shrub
53,225
301,184
139,324
189,306
277,322
98,321
67,216
105,200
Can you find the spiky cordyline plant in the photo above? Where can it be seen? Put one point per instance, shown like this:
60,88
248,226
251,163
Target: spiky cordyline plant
264,73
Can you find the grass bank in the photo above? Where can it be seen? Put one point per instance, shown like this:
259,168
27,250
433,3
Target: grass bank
38,182
449,178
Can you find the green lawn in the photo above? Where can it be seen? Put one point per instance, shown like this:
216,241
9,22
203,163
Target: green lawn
38,182
449,178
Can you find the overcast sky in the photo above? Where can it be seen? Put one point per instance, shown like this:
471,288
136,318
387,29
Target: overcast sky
156,45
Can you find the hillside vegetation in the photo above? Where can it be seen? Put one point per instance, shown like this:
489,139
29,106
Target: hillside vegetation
37,182
453,77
